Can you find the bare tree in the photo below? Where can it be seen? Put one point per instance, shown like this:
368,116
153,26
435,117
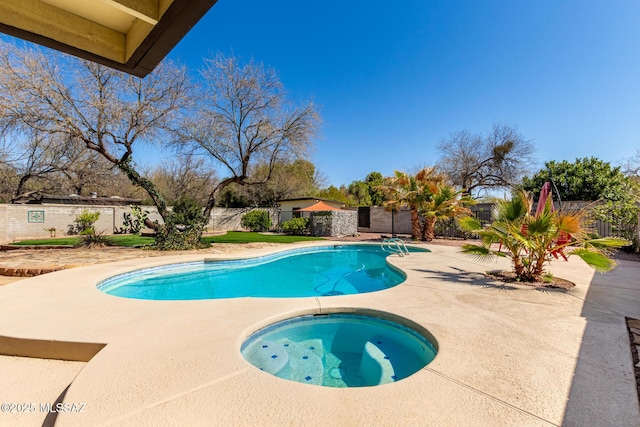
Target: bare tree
8,182
288,180
631,167
184,175
108,111
38,160
8,173
496,160
46,162
246,120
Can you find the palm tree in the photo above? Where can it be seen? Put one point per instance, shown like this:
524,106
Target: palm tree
428,197
403,189
441,202
529,240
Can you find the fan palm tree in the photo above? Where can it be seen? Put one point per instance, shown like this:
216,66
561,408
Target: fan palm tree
428,197
529,240
403,189
441,202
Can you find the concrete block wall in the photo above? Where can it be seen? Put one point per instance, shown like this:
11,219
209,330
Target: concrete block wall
381,221
15,221
223,219
3,224
32,221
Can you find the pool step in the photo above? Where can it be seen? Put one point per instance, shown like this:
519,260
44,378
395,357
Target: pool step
305,360
268,356
376,365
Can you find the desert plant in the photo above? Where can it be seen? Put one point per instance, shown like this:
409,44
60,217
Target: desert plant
530,240
134,221
256,220
93,239
296,226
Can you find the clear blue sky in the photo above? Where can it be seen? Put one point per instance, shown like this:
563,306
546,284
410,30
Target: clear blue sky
393,79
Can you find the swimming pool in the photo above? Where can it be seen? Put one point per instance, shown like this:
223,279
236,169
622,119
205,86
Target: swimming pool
339,350
307,272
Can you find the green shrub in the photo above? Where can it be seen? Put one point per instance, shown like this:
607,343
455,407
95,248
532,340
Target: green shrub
84,222
183,229
188,212
256,220
170,238
297,226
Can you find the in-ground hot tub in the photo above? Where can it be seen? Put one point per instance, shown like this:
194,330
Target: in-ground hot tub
340,349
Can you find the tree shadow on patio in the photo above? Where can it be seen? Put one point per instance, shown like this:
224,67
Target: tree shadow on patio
467,278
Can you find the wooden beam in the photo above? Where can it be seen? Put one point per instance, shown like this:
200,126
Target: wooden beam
139,31
146,10
179,17
61,27
138,52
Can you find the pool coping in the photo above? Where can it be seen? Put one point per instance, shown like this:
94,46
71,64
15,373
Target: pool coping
165,362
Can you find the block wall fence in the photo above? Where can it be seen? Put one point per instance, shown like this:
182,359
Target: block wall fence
19,222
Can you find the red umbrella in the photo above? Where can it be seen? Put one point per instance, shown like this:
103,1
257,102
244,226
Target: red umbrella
544,195
320,206
564,239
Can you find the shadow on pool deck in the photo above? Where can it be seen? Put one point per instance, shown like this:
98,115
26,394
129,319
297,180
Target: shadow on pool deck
474,279
603,391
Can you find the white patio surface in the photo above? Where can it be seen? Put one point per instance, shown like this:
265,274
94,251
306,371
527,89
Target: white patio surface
508,355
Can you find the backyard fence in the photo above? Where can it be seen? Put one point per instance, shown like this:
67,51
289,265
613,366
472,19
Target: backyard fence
376,219
34,221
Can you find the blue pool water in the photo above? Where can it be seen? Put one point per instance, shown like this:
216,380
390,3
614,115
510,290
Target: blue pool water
339,350
309,272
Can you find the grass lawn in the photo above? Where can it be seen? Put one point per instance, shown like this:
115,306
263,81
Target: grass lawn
115,240
129,240
135,240
250,237
63,241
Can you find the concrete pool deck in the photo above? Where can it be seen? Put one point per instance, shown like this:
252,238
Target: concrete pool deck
508,355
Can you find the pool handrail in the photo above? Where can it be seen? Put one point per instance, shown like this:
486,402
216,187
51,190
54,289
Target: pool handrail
395,245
